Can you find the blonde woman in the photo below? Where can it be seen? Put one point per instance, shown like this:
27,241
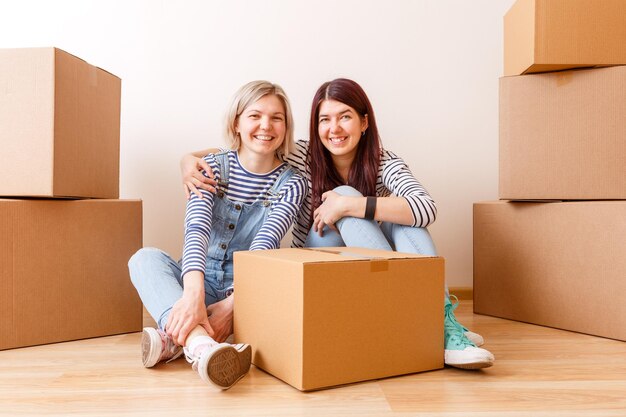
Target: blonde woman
258,197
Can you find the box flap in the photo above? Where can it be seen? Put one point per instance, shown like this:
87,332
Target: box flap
86,129
95,66
343,254
331,254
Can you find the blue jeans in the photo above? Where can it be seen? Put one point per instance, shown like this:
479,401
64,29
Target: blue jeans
157,277
369,234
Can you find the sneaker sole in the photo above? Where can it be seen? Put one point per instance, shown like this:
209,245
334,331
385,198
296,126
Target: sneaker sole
150,347
470,358
227,365
473,365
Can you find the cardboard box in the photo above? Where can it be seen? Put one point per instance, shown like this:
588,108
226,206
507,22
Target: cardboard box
562,135
550,35
555,264
60,119
328,316
63,270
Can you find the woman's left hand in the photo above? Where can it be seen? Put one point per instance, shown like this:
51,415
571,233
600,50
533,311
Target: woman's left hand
329,212
221,318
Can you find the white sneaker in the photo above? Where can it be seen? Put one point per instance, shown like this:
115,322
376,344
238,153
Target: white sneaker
459,350
220,364
157,346
475,338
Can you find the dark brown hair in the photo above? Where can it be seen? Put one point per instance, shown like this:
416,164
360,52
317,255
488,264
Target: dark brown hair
364,169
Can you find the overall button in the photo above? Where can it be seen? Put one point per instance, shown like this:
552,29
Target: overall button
231,226
238,207
223,246
266,203
220,194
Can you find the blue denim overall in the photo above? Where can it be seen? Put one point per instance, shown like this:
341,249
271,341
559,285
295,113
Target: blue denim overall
157,277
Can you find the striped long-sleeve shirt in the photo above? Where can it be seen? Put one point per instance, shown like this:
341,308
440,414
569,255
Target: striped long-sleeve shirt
245,187
394,178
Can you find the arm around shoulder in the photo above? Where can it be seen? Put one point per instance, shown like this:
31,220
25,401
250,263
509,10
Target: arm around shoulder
192,166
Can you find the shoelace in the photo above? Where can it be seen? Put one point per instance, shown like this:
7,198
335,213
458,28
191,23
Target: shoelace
453,329
177,355
452,316
189,357
192,355
172,348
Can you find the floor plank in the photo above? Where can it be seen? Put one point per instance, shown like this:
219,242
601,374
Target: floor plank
538,370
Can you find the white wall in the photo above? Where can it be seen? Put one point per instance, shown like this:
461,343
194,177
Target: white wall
430,68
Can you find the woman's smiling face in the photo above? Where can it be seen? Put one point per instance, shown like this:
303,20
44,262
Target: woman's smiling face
262,125
340,128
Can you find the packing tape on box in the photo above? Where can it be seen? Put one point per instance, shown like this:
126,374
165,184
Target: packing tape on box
377,264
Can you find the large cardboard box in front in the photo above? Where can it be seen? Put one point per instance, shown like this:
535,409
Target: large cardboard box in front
59,126
563,135
328,316
560,264
63,270
550,35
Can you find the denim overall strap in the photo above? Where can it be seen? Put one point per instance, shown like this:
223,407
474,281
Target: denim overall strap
236,224
274,192
223,162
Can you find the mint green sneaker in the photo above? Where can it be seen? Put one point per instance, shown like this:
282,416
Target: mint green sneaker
474,337
459,351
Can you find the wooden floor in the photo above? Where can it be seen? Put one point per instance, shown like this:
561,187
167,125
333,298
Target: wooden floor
538,371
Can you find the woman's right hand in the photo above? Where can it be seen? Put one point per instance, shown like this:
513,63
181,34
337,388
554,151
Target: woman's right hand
191,168
187,313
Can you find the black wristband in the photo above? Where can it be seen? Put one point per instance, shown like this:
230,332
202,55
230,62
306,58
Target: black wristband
370,208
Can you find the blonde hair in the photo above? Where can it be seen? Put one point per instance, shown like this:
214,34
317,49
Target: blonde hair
249,94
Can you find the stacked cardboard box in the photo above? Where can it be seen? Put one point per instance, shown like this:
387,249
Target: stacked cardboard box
66,238
554,253
552,35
